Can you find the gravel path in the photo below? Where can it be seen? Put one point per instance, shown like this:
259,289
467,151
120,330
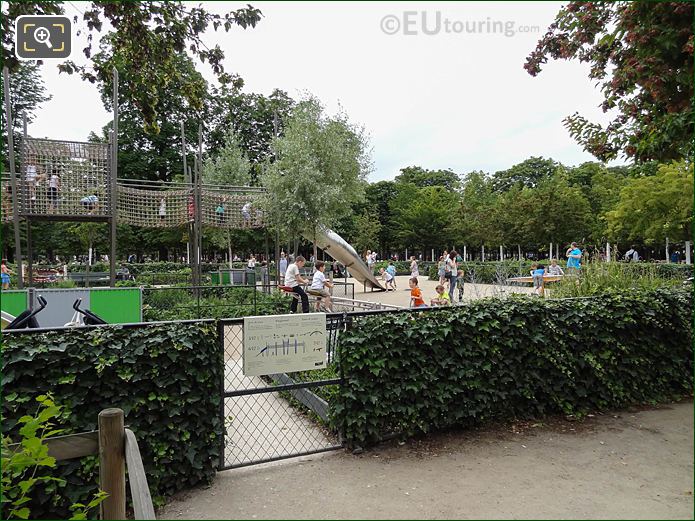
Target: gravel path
634,464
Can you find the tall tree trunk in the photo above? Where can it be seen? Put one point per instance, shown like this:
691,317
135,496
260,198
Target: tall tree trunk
229,248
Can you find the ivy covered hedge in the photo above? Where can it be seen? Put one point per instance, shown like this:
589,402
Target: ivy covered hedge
523,357
165,377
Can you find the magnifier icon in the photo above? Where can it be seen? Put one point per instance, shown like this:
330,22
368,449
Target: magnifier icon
43,35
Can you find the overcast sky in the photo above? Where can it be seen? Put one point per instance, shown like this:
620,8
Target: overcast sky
457,99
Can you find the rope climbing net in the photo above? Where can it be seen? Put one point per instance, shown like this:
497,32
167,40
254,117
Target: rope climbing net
71,180
64,179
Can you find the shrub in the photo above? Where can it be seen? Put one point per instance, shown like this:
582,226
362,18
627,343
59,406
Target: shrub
165,377
413,372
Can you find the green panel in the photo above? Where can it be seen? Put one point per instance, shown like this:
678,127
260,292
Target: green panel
116,306
215,277
14,302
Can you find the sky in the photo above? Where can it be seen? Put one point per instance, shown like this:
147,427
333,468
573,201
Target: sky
435,84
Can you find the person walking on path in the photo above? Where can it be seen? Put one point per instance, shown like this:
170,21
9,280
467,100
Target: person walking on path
392,270
574,256
293,280
451,270
414,272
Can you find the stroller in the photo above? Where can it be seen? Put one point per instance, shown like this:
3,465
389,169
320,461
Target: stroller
26,319
83,317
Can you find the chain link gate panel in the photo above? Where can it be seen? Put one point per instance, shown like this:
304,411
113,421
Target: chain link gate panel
269,418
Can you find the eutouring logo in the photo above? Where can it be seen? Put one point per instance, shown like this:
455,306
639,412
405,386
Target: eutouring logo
414,23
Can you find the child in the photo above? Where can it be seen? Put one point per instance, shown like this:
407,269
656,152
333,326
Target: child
538,283
392,270
6,272
442,298
387,278
416,300
319,285
459,284
554,269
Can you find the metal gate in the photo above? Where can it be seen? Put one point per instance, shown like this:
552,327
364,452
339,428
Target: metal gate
269,418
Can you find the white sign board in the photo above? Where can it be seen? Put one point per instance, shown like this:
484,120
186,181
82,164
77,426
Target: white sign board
284,343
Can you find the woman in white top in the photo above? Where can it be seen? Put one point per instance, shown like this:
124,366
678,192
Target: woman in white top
162,209
414,272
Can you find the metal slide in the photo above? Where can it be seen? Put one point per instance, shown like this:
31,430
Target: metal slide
340,250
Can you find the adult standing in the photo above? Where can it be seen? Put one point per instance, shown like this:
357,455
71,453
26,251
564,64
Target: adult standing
370,261
574,258
414,271
293,280
451,273
631,255
5,274
283,267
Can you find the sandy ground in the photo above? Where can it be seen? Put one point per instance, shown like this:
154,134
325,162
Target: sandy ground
401,297
633,464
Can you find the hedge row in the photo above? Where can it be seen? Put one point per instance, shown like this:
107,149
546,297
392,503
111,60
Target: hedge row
412,372
165,377
496,272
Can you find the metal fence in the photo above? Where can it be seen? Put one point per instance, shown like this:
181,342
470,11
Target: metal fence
273,417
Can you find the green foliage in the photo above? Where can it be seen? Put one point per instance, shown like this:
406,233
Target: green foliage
422,178
367,228
515,358
212,302
641,53
21,465
599,277
319,173
424,217
527,174
165,378
611,275
653,208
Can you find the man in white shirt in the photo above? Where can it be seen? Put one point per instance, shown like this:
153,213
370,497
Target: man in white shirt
293,280
319,285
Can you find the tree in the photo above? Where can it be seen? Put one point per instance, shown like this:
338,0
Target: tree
424,217
367,228
27,93
319,172
642,53
421,177
230,168
478,212
147,39
527,174
653,208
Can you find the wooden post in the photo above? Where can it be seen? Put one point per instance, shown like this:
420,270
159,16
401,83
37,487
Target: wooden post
112,463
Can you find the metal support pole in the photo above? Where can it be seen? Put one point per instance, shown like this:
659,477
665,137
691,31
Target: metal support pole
199,205
13,177
30,255
114,193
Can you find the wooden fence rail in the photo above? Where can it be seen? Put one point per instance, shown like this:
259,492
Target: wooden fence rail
117,449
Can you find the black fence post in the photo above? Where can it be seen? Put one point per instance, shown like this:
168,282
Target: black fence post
255,307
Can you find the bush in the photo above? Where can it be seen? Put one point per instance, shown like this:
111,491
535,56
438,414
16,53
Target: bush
523,357
165,377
